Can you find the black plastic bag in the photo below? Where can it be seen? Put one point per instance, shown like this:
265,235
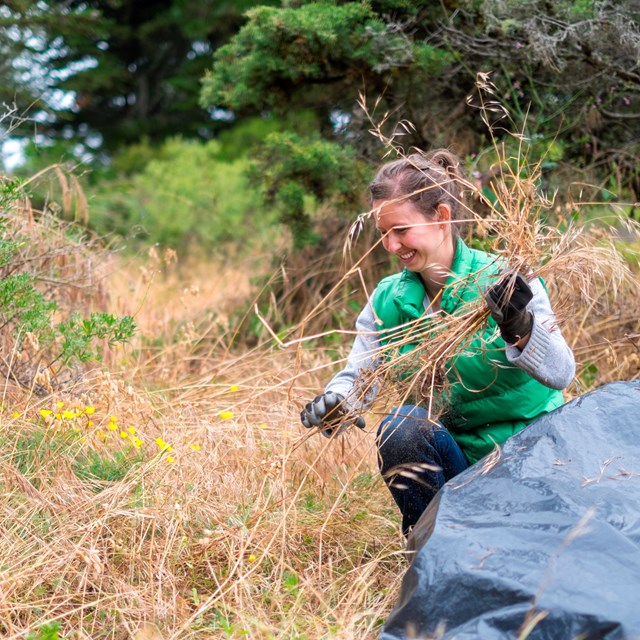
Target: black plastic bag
545,543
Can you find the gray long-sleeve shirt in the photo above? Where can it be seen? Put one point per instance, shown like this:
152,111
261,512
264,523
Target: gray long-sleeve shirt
546,357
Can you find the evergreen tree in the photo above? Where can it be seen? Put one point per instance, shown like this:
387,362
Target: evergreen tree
113,71
568,73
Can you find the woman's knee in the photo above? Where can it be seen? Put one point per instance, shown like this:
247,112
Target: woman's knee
402,425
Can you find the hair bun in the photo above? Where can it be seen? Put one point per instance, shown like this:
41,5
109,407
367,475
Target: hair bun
445,159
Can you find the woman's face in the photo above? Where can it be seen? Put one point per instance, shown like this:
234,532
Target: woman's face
420,242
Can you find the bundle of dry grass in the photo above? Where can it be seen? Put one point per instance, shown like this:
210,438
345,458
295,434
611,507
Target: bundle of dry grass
584,268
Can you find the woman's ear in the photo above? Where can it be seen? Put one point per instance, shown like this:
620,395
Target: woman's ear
443,212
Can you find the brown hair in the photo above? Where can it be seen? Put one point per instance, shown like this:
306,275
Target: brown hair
426,180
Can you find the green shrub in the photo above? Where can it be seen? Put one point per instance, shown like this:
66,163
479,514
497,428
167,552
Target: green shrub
40,329
294,170
183,197
48,631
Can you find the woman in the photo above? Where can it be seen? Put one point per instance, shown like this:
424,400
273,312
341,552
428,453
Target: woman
497,385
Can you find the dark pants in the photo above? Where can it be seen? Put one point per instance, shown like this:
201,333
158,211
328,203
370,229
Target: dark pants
416,458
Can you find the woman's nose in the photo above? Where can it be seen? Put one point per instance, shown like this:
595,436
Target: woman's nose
390,242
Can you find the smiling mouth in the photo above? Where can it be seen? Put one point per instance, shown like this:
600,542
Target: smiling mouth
405,257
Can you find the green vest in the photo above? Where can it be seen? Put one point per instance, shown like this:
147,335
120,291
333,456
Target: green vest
488,398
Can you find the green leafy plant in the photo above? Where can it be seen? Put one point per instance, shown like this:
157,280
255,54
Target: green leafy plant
48,631
186,196
80,334
92,465
36,326
293,169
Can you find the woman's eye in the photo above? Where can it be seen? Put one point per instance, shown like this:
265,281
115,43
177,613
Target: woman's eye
401,230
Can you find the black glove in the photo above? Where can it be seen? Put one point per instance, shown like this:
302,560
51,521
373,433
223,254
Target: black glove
328,411
507,301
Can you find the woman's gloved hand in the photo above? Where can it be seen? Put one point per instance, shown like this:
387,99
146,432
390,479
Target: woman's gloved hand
328,411
507,301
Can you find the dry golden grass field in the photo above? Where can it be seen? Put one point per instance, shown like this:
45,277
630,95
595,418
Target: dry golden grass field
169,491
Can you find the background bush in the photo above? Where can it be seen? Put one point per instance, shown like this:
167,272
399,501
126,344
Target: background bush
185,196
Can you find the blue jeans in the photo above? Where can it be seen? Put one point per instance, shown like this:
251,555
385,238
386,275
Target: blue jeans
416,458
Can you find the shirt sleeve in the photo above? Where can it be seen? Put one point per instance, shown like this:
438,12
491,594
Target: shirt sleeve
546,357
364,355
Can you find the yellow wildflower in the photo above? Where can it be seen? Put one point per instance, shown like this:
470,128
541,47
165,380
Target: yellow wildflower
195,447
89,410
45,413
252,558
89,424
59,404
170,459
112,426
131,430
233,388
83,439
124,435
68,415
113,418
58,416
163,445
137,443
225,415
16,414
103,437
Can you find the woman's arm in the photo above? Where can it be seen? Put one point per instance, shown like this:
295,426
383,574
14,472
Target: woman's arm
364,355
546,356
